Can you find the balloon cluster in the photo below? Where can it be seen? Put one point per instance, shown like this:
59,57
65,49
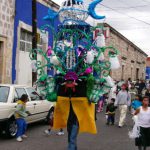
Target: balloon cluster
75,56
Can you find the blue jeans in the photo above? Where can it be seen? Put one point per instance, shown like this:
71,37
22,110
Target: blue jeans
111,118
22,126
72,136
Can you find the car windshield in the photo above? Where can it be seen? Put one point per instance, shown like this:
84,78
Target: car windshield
4,92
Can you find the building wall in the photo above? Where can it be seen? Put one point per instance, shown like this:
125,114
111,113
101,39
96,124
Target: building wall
23,19
148,62
132,60
7,12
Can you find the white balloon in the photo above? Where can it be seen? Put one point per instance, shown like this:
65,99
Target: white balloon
114,61
110,81
100,40
90,57
54,60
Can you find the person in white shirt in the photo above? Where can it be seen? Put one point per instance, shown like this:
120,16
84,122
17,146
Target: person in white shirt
143,113
123,100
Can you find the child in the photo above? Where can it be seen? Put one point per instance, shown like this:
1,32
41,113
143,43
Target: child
20,114
143,122
48,131
110,112
136,103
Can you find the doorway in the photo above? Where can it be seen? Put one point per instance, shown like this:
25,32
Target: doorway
137,73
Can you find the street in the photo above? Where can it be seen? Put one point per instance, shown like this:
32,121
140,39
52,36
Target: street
108,138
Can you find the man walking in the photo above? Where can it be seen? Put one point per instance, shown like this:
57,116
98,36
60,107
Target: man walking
123,100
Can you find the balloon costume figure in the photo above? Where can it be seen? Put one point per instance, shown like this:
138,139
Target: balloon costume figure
82,73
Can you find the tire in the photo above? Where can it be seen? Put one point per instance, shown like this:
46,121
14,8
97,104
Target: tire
48,118
11,128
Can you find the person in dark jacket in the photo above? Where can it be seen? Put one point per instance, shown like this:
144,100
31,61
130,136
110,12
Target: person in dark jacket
110,112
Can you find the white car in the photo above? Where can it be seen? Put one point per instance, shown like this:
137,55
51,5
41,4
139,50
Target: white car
38,107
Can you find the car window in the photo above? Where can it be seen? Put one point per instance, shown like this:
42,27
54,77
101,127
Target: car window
16,98
20,92
33,94
4,92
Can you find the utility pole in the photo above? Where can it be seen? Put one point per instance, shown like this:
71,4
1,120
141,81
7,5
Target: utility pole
34,37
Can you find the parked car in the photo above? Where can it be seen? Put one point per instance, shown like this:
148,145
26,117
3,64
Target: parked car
38,107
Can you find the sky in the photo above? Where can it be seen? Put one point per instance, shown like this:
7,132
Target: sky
130,17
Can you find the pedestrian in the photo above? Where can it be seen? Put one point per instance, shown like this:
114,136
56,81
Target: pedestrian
133,92
147,93
136,103
20,115
147,84
123,100
137,85
51,120
142,86
129,83
110,112
101,103
143,113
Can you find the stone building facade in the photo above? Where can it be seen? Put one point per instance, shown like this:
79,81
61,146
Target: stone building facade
14,17
132,58
7,13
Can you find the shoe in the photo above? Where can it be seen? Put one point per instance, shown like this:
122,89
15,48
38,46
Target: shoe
47,132
119,126
107,123
24,136
19,139
60,133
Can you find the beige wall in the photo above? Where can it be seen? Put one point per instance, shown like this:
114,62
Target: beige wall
129,56
7,10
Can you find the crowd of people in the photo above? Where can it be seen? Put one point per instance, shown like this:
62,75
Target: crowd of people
124,96
132,96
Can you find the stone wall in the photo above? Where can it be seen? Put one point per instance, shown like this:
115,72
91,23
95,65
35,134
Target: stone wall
132,59
7,13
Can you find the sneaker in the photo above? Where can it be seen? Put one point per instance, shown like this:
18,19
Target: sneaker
60,133
24,136
19,139
47,132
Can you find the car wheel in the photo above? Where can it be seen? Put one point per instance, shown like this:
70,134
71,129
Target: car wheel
11,128
49,116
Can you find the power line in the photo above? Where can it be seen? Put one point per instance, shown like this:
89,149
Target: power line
126,15
132,7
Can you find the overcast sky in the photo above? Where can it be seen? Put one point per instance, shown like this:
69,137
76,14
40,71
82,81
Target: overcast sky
129,17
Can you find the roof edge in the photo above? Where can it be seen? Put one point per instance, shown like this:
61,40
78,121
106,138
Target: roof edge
124,38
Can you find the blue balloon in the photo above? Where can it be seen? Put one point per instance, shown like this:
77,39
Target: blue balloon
91,10
79,1
51,15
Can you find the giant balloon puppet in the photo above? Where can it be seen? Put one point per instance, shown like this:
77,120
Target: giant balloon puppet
82,73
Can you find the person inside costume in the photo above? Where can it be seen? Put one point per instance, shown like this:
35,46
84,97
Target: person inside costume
73,109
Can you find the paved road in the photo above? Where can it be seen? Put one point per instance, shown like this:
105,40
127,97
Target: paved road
108,138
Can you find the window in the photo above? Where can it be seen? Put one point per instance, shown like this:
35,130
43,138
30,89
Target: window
33,94
16,98
20,92
4,93
26,41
